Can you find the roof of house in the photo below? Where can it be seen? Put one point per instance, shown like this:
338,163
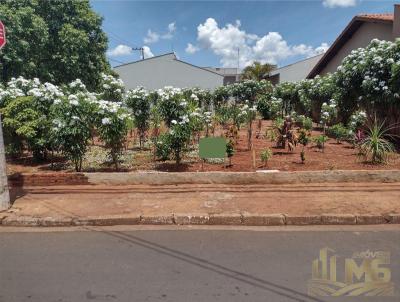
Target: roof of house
346,35
172,54
278,70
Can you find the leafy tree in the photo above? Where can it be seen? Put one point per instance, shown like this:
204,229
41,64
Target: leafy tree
56,41
257,71
24,122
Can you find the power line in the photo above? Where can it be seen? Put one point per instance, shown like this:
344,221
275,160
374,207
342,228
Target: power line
118,38
117,61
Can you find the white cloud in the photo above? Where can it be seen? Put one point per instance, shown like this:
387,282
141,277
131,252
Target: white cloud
120,50
270,48
339,3
171,31
191,49
151,37
147,52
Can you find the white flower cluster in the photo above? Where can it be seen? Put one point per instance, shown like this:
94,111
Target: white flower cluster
328,112
373,65
168,92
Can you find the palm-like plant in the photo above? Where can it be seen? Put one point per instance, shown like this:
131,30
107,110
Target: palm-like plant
376,146
257,71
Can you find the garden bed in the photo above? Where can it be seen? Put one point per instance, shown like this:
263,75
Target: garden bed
335,157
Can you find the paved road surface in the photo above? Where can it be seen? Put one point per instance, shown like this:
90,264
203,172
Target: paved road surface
179,264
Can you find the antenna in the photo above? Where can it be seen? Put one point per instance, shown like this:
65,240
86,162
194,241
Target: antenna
238,63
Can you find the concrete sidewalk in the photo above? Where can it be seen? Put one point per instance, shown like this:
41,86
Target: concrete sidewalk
291,204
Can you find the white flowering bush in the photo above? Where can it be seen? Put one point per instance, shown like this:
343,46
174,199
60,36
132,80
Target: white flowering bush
112,88
26,108
248,114
139,103
249,90
112,124
357,120
329,113
367,79
72,126
171,104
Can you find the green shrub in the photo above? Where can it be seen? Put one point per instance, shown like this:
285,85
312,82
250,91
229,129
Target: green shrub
230,150
26,121
304,139
376,146
266,155
338,132
320,141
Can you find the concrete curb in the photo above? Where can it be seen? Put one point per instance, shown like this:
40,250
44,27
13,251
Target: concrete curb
171,178
244,219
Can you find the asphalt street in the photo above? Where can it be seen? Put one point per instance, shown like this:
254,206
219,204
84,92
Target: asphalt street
180,263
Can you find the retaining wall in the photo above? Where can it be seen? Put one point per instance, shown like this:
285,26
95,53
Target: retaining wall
168,178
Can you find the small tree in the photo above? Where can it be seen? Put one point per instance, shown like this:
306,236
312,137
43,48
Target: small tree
112,125
138,102
72,126
303,139
174,143
248,114
230,151
266,155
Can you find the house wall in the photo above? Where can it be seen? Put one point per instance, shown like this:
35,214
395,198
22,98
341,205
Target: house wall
156,73
361,38
294,72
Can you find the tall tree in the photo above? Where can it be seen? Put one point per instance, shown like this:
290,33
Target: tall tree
257,71
56,41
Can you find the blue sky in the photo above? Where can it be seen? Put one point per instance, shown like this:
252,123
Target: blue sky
279,32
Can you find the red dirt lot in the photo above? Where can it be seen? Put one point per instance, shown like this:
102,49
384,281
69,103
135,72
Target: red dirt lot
335,157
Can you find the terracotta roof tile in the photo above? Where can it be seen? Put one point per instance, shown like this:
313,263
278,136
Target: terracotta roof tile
384,17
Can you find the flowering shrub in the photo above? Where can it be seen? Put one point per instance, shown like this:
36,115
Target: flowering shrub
138,102
357,120
171,104
328,112
26,108
112,88
112,125
367,79
174,143
249,90
71,127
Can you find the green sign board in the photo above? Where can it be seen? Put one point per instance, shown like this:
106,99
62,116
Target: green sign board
212,147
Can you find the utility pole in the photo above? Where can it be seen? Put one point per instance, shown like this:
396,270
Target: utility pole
141,51
4,193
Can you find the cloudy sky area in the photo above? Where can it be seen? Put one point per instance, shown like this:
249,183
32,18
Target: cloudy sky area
209,33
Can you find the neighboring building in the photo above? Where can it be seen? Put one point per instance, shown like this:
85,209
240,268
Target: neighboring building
231,75
294,72
166,70
358,33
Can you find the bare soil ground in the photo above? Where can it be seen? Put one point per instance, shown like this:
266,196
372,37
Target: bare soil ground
335,156
299,199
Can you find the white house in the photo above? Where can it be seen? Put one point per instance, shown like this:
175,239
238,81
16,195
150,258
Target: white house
166,70
294,72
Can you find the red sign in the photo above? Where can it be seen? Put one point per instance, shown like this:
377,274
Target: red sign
2,35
